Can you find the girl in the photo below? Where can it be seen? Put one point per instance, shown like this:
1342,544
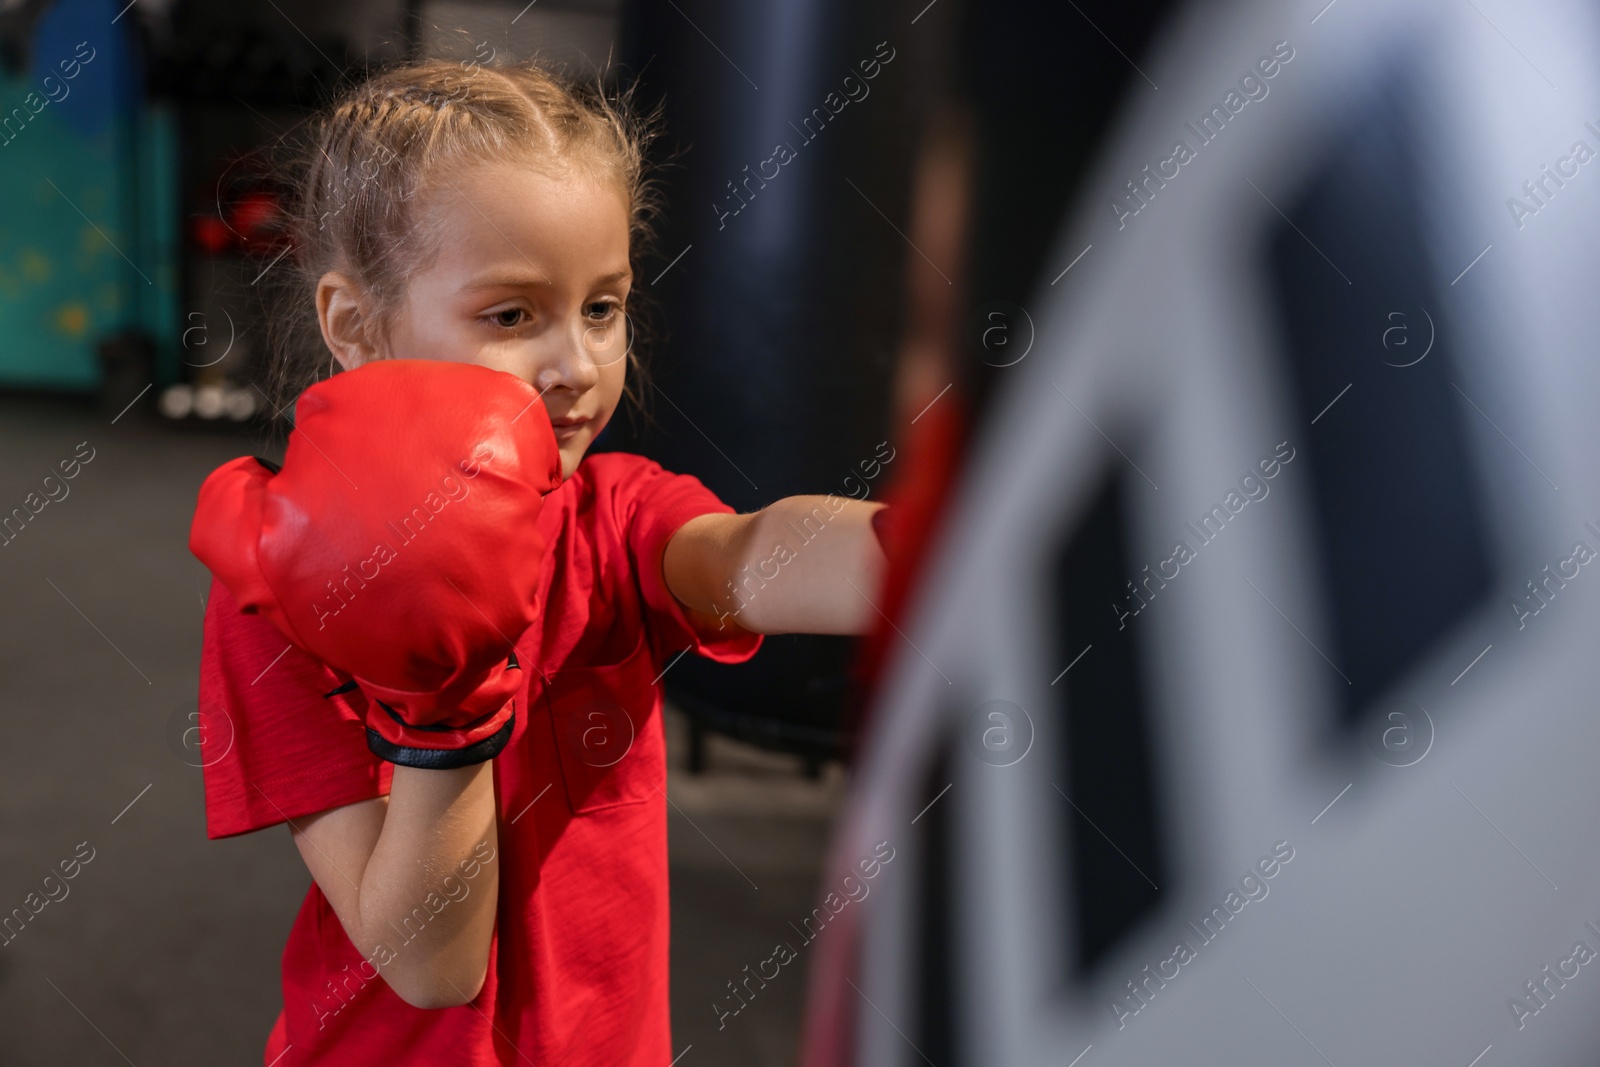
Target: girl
513,911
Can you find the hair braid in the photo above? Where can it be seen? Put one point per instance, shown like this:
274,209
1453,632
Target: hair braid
364,163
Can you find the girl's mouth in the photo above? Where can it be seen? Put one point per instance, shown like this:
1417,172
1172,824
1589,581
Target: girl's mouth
567,429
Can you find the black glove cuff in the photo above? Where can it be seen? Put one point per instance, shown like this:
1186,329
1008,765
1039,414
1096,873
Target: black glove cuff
441,759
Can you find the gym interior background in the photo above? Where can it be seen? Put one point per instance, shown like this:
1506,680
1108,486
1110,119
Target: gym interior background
140,217
1360,229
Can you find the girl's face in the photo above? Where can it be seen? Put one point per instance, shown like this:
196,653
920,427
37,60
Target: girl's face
532,278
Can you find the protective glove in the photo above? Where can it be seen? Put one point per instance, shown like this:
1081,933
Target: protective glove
398,544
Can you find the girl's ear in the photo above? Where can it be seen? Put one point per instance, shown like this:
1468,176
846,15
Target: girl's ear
343,318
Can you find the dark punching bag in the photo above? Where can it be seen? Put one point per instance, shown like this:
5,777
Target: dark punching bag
776,284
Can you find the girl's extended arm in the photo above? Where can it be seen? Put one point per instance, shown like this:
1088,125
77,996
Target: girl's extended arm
408,877
805,564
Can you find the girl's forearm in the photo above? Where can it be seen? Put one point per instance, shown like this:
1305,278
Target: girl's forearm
429,889
806,564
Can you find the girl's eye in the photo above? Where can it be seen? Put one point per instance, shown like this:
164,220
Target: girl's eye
508,318
603,310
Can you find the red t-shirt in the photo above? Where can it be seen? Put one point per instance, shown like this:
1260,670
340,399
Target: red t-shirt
578,965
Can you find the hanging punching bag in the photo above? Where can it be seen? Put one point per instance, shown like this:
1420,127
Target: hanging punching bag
777,283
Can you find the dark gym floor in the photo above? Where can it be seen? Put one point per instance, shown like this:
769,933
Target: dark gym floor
165,948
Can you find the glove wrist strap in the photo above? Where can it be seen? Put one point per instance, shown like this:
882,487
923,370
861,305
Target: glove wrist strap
441,759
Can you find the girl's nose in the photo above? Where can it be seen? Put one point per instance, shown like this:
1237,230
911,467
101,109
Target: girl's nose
573,365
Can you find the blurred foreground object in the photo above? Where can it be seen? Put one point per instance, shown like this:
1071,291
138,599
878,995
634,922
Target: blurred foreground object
1248,678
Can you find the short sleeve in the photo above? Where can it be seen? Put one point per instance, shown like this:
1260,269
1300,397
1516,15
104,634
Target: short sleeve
659,503
274,745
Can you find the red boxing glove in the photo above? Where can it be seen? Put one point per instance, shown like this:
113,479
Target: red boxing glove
397,544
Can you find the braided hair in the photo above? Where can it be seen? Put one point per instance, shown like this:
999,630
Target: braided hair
363,165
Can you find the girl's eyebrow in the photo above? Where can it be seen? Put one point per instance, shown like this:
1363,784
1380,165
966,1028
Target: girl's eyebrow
517,280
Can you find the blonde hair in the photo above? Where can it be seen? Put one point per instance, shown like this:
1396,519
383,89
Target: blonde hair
361,167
